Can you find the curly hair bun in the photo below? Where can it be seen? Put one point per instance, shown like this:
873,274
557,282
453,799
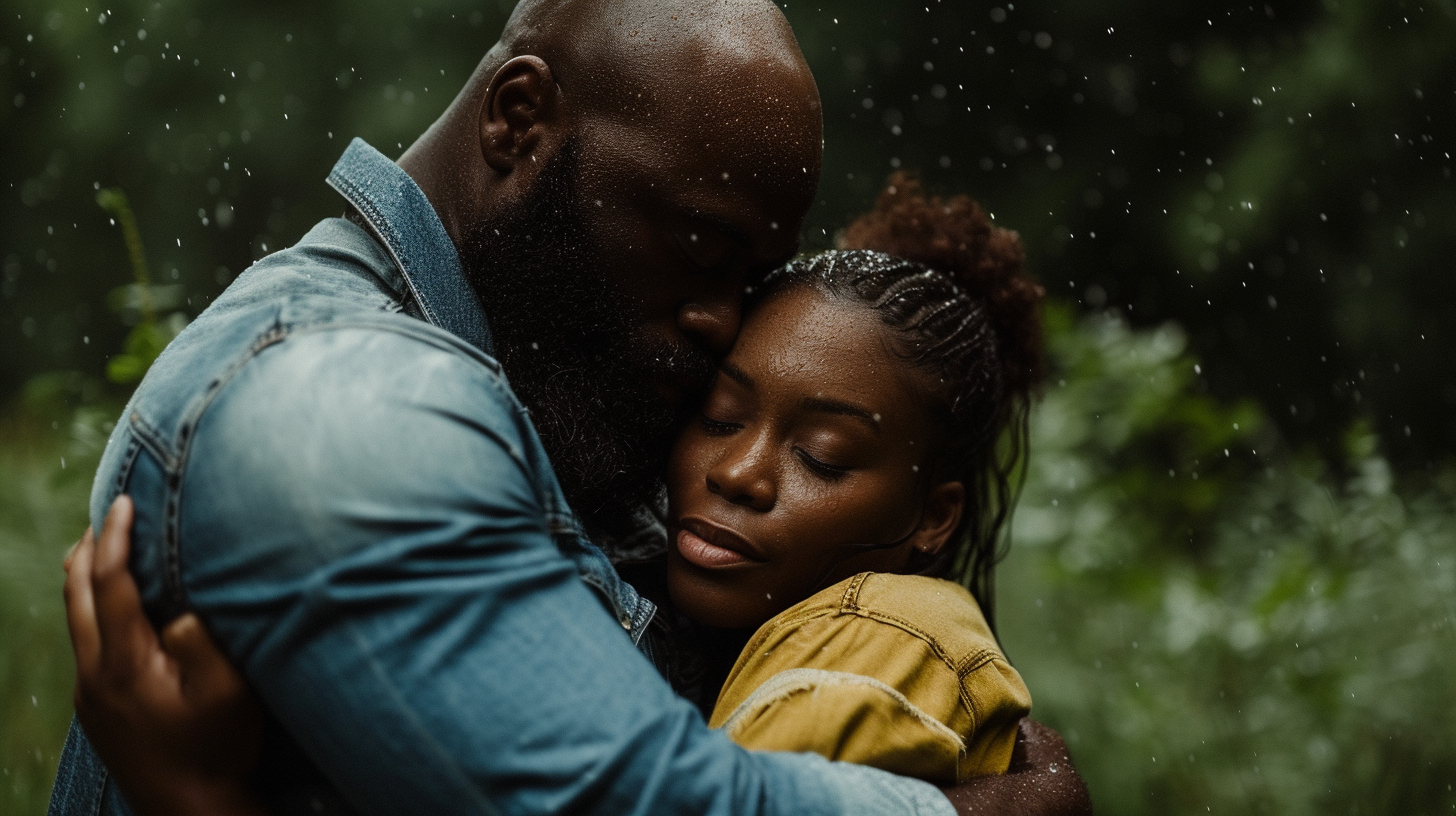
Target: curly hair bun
957,238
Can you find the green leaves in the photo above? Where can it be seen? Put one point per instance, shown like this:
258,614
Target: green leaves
143,345
139,302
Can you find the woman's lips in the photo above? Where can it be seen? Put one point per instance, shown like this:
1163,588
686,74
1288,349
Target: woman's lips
710,546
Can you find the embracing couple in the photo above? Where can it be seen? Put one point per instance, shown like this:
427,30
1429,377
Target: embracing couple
493,490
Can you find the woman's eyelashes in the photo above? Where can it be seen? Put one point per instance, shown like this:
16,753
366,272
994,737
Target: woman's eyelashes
714,427
820,467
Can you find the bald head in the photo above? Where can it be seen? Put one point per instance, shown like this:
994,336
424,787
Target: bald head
607,49
723,77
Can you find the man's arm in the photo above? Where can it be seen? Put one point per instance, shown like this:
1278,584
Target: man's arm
361,532
1040,782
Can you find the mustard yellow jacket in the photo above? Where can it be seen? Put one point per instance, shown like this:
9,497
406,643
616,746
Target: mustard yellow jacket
896,671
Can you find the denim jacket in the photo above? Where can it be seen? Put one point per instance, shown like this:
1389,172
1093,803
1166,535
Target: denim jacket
329,466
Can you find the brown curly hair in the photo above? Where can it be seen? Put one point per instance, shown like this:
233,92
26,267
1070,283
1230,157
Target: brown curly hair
953,286
956,236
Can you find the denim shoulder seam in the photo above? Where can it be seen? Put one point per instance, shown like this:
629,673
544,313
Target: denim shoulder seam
146,436
175,464
936,647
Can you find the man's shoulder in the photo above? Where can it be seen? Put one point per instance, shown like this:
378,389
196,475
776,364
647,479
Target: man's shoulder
307,374
324,320
385,366
387,384
342,433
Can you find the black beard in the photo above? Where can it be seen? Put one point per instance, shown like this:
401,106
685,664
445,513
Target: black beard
572,345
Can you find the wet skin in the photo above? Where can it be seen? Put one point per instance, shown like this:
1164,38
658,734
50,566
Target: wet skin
811,454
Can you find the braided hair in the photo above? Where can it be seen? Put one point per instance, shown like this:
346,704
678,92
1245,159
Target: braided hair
952,288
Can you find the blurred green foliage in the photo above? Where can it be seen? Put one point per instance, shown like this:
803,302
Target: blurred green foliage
1217,623
48,454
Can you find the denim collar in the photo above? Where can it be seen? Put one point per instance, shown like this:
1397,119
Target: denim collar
399,213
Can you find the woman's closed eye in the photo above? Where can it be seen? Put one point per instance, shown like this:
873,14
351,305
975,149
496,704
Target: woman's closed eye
716,427
820,467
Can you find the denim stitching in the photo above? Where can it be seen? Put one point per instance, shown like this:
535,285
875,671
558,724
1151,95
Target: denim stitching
123,471
355,195
100,794
153,439
174,469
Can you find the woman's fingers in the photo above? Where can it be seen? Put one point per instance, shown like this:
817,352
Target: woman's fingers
127,638
66,564
81,609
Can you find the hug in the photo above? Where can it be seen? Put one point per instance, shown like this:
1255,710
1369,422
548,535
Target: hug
549,478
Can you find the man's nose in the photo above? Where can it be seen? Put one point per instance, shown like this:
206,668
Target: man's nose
742,477
712,323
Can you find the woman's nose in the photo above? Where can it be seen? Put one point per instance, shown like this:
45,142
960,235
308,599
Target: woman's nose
742,477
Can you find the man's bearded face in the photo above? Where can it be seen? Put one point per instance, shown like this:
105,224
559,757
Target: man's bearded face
573,344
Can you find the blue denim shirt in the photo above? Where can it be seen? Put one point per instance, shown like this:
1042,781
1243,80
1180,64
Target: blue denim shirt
330,467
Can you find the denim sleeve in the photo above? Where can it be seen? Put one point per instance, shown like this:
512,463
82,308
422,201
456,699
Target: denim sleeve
360,529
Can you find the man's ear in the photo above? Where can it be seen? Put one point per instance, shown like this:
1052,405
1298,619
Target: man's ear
521,103
940,518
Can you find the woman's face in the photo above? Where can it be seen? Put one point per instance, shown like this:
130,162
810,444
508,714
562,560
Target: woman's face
804,467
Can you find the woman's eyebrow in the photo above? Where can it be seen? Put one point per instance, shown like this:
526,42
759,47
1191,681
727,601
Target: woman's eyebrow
736,374
832,406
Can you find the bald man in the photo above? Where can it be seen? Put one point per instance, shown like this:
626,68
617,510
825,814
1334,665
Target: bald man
386,535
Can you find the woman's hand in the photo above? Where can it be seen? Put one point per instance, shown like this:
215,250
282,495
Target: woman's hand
1040,782
175,723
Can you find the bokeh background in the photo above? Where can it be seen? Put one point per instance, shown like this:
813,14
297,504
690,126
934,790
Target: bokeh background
1232,583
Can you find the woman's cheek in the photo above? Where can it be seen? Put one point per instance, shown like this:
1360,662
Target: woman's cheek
686,461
